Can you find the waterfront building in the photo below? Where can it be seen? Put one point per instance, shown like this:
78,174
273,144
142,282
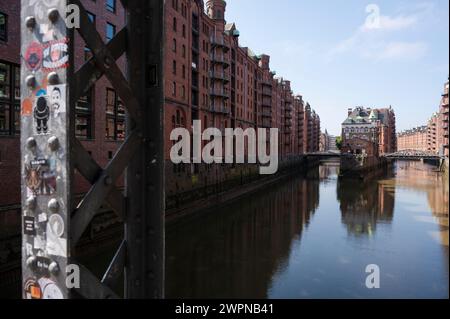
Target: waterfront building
209,76
433,137
444,113
327,142
377,126
433,134
414,139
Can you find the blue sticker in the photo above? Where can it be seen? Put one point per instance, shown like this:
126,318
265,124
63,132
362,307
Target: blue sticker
41,93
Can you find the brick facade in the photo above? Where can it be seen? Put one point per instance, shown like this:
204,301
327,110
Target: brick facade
433,137
209,76
415,139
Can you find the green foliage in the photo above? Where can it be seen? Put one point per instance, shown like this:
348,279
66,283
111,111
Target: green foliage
339,142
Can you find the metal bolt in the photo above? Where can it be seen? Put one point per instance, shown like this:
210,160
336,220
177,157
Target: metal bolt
53,15
53,205
31,143
54,268
53,143
53,78
108,180
32,262
31,202
107,62
31,81
30,22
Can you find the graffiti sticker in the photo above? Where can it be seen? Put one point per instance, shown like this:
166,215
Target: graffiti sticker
57,96
27,107
50,290
41,115
40,177
32,289
33,56
55,55
56,224
28,226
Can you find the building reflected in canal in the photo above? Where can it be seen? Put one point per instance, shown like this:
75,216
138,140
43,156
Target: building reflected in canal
312,236
364,204
236,250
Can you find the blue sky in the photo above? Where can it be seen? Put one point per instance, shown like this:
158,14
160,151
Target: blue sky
337,55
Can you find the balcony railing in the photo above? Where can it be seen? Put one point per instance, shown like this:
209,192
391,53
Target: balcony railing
219,75
219,92
219,108
266,113
265,82
219,58
218,41
266,102
266,91
266,123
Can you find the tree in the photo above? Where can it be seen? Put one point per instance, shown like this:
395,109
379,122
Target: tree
339,142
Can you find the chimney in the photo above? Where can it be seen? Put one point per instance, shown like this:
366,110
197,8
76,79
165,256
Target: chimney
350,111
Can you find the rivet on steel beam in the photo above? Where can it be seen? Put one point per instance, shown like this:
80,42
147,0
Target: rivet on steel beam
53,15
31,202
31,143
53,78
31,81
108,180
53,205
107,62
54,268
32,262
30,22
53,143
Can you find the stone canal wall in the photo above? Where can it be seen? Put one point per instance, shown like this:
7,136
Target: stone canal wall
206,189
356,166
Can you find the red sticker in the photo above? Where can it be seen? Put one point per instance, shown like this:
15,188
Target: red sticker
27,107
56,55
33,56
32,289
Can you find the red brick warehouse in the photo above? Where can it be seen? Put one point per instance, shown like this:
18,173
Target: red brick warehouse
209,76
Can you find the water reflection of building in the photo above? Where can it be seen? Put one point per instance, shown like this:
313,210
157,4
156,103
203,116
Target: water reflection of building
365,204
425,178
236,251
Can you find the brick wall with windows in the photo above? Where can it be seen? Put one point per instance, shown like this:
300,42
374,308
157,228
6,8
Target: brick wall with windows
91,110
9,102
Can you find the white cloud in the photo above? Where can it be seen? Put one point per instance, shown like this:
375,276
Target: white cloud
387,23
377,41
403,50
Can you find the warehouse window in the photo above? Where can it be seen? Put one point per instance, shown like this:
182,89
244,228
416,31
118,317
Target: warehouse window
9,99
115,116
3,27
110,31
111,5
83,116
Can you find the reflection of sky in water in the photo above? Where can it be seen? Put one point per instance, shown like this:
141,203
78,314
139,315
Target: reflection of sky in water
305,239
409,251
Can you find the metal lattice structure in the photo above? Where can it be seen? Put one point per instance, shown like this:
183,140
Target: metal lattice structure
51,153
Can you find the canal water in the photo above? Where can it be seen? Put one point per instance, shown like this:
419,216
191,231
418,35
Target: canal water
313,236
